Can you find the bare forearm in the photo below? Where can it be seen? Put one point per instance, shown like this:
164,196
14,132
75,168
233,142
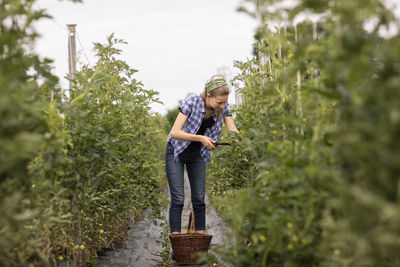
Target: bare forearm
230,124
181,135
233,128
177,133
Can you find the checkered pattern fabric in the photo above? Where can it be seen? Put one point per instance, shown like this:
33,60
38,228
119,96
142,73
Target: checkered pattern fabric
193,108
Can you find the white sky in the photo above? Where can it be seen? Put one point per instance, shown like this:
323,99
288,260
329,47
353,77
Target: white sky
175,44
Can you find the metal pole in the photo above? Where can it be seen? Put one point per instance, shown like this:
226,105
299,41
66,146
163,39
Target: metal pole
72,69
314,33
71,52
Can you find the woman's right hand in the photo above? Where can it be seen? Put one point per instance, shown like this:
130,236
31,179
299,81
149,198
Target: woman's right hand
207,142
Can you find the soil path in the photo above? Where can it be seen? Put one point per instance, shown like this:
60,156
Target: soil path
143,242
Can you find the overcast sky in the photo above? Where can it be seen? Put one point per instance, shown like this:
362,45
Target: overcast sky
175,44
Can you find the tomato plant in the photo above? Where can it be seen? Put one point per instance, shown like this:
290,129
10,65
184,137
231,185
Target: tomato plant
72,172
318,130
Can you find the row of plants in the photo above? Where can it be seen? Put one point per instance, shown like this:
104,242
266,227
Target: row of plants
315,178
74,170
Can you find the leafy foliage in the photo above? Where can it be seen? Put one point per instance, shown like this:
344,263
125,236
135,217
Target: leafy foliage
72,173
23,128
315,180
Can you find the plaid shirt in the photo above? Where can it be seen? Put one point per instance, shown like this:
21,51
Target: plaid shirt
193,108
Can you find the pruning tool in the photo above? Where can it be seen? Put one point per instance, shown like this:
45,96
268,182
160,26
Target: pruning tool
221,144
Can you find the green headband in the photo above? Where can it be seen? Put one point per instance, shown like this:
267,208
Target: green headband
217,83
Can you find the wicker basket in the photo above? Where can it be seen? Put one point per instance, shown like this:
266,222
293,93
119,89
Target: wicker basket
184,246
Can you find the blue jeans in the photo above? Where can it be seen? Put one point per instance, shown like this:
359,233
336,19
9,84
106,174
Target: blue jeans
196,169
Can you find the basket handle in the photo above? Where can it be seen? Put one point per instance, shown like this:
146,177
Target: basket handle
191,221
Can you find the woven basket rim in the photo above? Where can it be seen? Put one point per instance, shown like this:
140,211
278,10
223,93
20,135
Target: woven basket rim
190,234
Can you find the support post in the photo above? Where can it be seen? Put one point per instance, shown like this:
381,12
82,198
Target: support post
77,258
71,52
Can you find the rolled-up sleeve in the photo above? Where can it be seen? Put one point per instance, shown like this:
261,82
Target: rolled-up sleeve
226,112
186,106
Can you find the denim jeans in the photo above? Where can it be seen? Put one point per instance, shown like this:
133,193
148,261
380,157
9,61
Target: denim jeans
196,169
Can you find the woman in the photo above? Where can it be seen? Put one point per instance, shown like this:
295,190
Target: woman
194,133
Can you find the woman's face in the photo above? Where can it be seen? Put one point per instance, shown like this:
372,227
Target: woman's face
218,102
